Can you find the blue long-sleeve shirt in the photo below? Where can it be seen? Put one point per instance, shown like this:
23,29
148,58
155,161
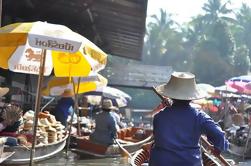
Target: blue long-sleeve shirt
62,109
177,131
105,130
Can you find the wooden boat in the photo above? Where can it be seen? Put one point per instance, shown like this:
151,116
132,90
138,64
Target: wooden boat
5,155
240,151
42,152
129,138
141,157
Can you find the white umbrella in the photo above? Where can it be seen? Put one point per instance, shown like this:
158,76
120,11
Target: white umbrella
110,92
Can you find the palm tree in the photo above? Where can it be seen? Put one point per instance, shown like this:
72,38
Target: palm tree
155,37
163,45
216,11
242,31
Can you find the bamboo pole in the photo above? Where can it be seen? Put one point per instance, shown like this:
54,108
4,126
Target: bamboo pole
37,104
75,109
1,12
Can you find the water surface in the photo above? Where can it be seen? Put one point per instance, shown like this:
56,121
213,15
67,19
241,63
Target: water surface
74,160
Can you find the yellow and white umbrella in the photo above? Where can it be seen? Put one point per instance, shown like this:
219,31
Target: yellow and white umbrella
57,85
38,47
67,52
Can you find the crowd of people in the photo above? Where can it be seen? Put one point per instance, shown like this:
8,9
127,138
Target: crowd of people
177,126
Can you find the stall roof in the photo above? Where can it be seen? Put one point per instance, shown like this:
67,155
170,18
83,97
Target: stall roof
116,26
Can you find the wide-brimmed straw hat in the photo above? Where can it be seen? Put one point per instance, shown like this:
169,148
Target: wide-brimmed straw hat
181,86
67,93
107,104
3,91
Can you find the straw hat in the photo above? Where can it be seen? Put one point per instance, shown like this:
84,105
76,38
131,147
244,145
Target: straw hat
3,91
67,93
181,86
107,104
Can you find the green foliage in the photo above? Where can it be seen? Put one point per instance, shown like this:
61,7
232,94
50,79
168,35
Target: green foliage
242,60
213,45
242,30
223,39
209,67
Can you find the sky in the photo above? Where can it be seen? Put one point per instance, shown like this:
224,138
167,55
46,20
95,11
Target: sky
183,10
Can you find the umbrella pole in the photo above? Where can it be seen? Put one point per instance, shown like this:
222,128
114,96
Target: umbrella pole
75,108
37,104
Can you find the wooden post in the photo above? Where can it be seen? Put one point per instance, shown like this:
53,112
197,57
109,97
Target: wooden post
1,12
77,111
37,104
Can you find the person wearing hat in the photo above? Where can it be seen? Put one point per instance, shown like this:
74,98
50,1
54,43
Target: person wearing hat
105,130
3,91
177,128
64,106
8,125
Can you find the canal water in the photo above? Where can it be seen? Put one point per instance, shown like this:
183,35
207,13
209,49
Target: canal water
74,160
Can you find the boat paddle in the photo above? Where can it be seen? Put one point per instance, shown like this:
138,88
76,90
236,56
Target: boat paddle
220,157
124,152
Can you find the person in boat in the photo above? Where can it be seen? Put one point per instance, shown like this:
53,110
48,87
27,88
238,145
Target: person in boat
10,120
64,107
105,131
177,128
117,116
85,108
10,115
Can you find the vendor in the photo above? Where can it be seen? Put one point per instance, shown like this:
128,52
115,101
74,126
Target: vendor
3,91
10,119
105,130
64,106
10,115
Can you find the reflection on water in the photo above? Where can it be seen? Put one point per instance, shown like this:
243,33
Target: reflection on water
74,160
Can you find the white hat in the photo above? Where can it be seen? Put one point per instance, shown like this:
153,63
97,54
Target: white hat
3,91
107,104
181,86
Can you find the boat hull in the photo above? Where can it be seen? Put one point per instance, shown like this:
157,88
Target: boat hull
240,151
42,152
85,148
141,158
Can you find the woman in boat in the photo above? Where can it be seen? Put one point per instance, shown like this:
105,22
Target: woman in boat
10,120
105,130
178,128
64,107
10,115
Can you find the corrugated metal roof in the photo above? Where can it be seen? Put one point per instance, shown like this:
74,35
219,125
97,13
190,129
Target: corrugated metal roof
116,26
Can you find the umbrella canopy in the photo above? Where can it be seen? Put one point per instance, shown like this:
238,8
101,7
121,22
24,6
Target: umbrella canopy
209,89
67,52
57,85
38,47
241,84
110,92
225,88
97,100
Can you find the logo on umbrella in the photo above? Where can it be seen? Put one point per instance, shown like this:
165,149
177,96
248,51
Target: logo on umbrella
32,56
54,44
69,58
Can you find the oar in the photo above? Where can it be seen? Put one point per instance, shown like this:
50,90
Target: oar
124,152
220,157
